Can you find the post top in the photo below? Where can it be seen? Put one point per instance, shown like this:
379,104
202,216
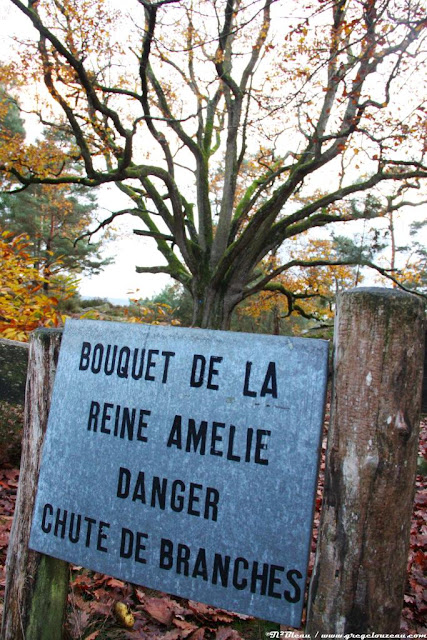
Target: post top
385,293
380,291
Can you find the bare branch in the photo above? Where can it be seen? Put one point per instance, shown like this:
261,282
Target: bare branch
105,223
266,284
162,269
153,234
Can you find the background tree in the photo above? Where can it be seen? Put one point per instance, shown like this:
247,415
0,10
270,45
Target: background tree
11,124
172,305
304,295
24,304
402,264
229,138
51,216
408,262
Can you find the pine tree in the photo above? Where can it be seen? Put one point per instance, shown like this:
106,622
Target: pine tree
52,216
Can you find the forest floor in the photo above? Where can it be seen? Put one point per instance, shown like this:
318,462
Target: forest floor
104,608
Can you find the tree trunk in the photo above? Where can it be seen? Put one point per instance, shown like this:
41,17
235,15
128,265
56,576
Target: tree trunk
36,585
361,561
213,308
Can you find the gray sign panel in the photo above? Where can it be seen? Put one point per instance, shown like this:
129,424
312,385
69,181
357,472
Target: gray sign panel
185,460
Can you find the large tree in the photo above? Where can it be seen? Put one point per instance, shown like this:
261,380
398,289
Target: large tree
233,126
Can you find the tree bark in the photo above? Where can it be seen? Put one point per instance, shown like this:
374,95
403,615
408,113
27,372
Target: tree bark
213,307
36,585
361,561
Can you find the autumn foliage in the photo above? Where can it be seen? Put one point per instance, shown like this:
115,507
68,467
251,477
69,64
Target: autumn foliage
307,292
24,304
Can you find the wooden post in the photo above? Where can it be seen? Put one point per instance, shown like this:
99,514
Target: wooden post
360,569
36,585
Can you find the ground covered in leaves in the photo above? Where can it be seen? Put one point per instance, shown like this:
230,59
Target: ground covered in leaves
101,607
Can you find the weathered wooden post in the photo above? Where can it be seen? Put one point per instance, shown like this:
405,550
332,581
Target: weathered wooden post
36,585
359,575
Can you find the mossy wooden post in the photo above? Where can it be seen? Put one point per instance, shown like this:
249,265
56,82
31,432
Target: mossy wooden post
360,569
36,585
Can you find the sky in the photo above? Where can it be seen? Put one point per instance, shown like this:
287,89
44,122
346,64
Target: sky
119,279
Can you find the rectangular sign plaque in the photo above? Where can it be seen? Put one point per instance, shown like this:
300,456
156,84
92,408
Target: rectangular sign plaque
185,460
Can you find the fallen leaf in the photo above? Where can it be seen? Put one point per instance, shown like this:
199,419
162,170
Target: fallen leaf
140,594
160,609
114,583
101,608
78,621
175,634
225,633
186,628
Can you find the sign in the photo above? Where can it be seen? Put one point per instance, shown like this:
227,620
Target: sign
185,460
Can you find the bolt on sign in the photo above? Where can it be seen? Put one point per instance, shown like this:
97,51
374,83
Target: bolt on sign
185,460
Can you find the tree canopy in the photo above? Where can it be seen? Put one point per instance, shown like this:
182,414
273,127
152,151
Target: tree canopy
233,126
